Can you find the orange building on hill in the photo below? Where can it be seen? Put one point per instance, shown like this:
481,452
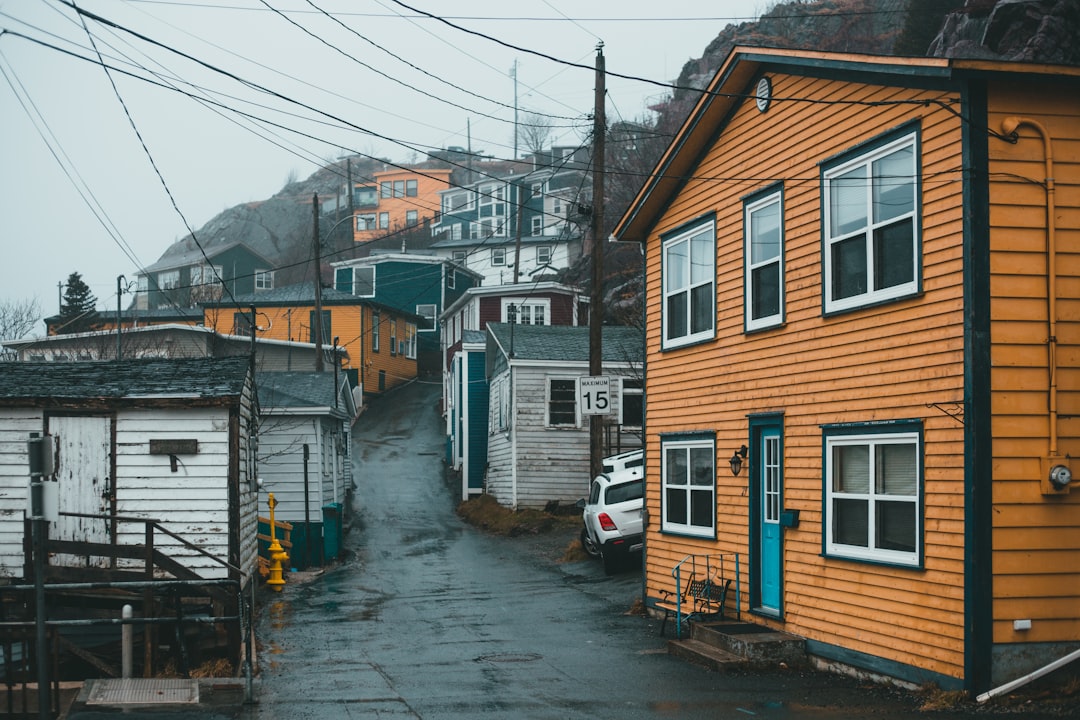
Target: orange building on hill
396,199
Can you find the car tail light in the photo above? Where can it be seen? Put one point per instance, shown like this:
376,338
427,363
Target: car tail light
606,522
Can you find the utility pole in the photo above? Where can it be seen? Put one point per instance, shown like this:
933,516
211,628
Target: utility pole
352,207
596,296
40,453
316,325
119,292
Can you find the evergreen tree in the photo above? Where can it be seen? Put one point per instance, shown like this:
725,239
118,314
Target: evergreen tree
78,311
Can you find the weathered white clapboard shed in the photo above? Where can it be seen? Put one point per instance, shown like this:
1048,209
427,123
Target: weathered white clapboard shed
136,440
538,431
305,458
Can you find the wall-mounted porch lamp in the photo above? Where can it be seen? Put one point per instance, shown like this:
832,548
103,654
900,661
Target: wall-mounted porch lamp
737,458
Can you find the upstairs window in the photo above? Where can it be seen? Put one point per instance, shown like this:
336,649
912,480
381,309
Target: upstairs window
543,254
264,279
376,329
689,281
871,225
498,256
410,188
429,312
763,220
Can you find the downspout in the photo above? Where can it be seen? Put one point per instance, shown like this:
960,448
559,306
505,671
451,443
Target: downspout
1008,127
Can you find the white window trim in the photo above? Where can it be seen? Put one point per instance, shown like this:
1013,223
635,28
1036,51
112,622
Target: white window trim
709,332
547,404
264,279
871,296
685,528
766,321
498,257
549,250
519,302
356,284
870,554
625,391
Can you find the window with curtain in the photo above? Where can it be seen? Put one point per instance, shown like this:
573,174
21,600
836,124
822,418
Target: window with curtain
873,496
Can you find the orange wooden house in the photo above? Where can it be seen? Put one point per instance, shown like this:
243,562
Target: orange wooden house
380,342
863,286
397,199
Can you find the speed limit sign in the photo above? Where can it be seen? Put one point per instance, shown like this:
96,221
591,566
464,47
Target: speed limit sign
594,395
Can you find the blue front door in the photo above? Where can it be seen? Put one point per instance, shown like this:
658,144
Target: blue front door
769,476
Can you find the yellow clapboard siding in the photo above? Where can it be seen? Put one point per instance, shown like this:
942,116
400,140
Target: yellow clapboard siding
1045,631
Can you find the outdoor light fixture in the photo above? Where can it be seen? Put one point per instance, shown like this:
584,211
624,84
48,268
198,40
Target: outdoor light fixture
737,458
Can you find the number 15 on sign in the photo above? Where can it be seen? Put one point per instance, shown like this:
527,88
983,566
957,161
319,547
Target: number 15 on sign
594,395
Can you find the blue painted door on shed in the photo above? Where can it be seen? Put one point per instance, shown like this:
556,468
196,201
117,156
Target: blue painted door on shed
769,476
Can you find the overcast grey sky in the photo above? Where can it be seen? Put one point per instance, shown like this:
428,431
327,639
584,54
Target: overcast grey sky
79,193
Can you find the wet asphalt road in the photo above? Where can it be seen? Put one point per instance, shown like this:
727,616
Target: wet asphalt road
432,618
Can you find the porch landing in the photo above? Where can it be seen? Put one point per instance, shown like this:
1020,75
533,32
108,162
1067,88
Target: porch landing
728,644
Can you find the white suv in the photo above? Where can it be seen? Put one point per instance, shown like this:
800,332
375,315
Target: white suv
612,516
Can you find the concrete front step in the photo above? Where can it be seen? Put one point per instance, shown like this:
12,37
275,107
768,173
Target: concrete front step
749,643
701,653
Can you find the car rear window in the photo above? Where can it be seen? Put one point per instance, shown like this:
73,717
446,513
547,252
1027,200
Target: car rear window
624,491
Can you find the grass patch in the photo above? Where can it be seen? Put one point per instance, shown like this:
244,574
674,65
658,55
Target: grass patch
484,512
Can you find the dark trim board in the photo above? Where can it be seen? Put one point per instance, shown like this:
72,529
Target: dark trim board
880,666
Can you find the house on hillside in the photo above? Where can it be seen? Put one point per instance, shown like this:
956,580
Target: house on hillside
524,222
188,276
538,435
380,341
171,341
465,390
874,313
421,285
397,199
305,458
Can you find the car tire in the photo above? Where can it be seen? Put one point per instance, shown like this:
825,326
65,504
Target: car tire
588,544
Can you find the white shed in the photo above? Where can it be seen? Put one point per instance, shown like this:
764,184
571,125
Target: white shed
538,437
136,440
305,458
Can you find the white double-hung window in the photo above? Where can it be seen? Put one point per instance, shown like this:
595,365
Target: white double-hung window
763,222
871,228
873,493
689,280
688,485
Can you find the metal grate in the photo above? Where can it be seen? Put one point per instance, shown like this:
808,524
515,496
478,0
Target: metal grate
144,691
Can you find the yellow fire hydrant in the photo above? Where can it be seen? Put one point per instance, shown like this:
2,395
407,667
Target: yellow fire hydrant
277,553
